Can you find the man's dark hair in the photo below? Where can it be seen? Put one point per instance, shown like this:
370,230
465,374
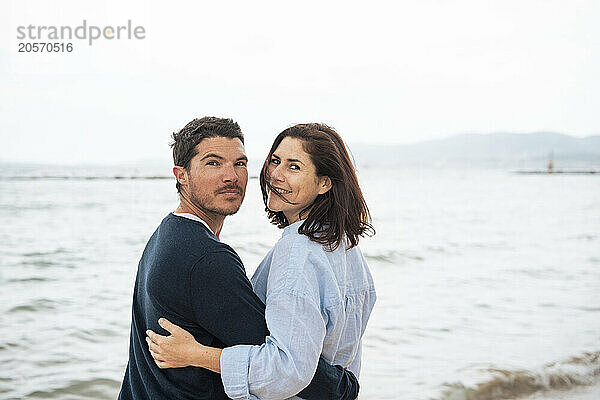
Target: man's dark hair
185,141
339,215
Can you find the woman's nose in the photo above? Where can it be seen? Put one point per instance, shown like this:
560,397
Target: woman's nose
276,174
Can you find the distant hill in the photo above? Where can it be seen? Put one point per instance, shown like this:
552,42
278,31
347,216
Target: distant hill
531,150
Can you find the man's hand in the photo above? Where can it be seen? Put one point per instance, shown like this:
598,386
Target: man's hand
175,351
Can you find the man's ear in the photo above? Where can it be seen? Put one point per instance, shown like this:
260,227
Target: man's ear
181,175
324,184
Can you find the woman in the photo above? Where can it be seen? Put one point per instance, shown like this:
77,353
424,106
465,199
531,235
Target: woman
315,282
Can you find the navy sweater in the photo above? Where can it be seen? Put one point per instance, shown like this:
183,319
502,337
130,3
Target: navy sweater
189,277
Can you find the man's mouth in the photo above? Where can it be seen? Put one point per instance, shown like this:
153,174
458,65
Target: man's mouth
230,191
280,190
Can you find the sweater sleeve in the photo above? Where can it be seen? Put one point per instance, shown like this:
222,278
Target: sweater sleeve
223,302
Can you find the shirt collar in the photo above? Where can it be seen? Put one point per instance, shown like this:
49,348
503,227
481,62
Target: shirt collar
194,218
292,228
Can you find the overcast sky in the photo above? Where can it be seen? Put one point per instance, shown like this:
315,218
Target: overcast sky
389,72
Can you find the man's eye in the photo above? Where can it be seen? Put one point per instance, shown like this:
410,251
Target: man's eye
294,166
212,163
241,163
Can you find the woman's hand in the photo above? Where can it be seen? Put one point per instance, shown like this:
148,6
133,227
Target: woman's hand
175,351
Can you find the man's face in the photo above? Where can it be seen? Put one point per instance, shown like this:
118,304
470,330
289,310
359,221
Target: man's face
218,175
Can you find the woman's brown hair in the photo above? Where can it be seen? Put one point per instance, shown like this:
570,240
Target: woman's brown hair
337,215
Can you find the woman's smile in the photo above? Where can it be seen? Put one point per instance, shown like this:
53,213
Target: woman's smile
280,190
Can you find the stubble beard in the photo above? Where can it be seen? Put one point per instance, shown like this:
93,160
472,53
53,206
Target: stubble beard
203,204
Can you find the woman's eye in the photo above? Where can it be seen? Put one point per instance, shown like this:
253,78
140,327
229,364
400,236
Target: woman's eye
212,163
274,161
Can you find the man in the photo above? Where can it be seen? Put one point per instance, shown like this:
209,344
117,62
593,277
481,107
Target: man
199,283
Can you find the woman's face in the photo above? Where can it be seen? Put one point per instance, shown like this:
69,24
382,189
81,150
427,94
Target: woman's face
293,175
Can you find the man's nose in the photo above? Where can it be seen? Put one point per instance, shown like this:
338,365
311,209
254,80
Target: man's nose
230,174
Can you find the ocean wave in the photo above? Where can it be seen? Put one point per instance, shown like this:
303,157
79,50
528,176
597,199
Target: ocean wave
34,306
59,250
98,388
586,237
506,384
392,257
17,208
257,248
591,309
9,346
46,264
93,335
30,279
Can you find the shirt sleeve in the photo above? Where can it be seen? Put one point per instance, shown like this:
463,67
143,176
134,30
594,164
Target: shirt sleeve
287,361
224,303
355,365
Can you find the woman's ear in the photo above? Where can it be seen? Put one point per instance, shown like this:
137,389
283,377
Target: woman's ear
324,184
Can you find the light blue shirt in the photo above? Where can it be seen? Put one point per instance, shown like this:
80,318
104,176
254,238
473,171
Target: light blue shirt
317,302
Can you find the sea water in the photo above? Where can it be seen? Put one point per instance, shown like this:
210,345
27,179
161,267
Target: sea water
488,282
